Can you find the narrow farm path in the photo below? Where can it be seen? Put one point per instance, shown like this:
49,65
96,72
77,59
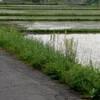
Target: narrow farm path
20,82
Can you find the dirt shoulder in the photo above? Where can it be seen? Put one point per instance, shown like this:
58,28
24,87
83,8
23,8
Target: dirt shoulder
20,82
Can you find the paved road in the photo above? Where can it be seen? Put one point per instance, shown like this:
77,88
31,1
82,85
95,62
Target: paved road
20,82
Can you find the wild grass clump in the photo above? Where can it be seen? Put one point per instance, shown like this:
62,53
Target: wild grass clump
65,68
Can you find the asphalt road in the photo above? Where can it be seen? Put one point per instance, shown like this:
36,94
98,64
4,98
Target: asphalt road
21,82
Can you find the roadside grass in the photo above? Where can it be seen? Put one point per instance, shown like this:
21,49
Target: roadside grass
65,68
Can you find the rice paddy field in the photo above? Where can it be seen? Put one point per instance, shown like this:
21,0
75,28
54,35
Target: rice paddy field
51,11
56,24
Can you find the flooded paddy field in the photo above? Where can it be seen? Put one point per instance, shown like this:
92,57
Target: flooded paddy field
49,17
52,11
85,46
56,24
88,45
10,11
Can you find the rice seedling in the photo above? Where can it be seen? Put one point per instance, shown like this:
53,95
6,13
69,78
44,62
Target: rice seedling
58,14
45,8
61,31
58,19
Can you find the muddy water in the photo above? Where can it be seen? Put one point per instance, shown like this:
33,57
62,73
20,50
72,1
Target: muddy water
11,11
49,17
51,11
88,47
58,25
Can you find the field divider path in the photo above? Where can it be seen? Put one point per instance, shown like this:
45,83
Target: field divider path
68,19
38,14
8,8
59,31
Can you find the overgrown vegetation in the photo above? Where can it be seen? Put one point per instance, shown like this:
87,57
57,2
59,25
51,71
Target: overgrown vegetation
65,68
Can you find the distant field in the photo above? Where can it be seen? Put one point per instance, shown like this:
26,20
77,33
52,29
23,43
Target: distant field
56,24
23,13
49,7
54,6
49,17
52,11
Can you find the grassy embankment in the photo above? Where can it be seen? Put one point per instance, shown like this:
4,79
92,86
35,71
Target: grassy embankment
61,31
84,79
31,8
58,19
58,14
48,7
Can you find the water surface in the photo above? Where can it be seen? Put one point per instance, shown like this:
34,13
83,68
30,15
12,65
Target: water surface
51,11
57,24
49,17
88,45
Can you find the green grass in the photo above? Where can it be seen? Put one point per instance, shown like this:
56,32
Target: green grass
32,14
83,79
58,19
28,3
50,19
55,11
18,3
68,31
31,8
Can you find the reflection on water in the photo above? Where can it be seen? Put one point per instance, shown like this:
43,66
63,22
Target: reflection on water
57,24
88,45
11,11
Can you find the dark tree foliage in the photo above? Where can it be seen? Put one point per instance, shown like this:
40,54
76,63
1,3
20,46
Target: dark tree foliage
36,0
93,1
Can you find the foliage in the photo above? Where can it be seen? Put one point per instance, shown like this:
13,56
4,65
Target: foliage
62,31
84,79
